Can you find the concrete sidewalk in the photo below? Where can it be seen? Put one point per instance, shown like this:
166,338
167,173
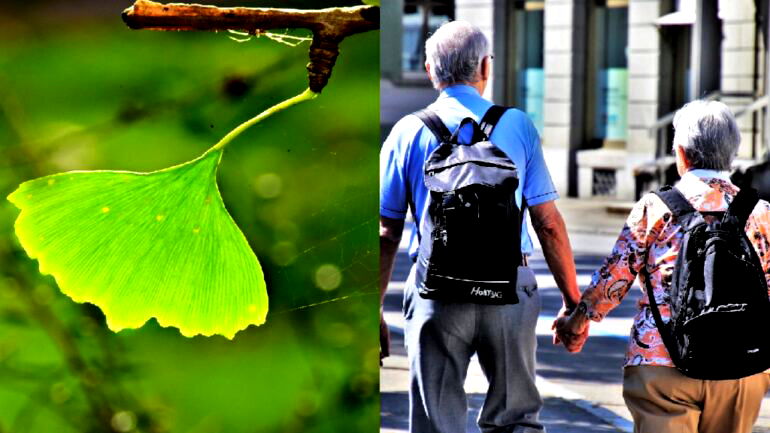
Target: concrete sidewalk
559,414
591,227
582,393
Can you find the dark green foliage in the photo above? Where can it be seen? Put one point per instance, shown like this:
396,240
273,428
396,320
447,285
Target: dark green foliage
90,94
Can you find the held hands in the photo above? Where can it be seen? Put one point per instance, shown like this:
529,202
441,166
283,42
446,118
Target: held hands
384,338
571,329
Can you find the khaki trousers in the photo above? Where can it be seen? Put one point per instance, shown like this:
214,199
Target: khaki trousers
663,400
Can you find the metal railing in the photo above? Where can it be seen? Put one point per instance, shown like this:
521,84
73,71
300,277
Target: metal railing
661,126
659,169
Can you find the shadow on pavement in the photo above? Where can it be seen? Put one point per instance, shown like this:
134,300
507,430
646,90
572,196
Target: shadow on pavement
395,411
558,415
600,361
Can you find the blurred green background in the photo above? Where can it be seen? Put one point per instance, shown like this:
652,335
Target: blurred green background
79,91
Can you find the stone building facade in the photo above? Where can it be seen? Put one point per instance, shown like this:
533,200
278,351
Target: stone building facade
600,78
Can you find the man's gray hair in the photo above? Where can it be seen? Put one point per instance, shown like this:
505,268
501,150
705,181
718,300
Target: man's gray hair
707,132
454,53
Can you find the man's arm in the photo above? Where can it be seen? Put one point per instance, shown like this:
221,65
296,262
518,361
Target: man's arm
390,237
611,282
552,232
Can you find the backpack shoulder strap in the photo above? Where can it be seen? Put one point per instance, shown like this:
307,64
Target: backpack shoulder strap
743,204
679,206
675,201
489,121
665,332
434,123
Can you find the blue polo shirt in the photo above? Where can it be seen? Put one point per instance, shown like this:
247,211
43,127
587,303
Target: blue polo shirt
410,142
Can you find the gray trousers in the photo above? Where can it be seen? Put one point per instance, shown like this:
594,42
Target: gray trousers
440,340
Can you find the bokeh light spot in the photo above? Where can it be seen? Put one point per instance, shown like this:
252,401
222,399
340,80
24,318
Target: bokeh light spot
339,334
328,277
123,421
283,253
268,185
60,393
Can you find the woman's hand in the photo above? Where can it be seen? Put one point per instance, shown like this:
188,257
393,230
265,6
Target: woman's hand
571,330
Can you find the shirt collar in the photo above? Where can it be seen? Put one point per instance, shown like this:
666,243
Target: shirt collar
703,174
456,90
707,190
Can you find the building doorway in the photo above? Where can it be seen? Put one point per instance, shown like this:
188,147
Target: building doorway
527,18
607,75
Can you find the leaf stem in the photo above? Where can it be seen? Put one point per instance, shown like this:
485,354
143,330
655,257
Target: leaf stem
304,96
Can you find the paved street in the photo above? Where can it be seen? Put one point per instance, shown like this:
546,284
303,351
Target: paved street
582,392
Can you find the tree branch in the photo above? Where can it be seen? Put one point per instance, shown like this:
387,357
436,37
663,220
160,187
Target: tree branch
329,26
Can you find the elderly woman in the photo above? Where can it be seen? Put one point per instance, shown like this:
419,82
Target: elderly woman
660,398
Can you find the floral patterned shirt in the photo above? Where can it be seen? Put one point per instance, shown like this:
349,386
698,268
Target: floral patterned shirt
651,239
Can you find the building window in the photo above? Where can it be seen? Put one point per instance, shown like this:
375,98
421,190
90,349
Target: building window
604,182
420,19
609,70
528,22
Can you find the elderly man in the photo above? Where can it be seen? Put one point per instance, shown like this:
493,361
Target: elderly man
442,336
661,398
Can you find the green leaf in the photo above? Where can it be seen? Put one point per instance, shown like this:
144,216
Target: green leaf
371,2
142,245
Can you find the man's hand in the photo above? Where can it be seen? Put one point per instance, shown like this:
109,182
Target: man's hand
390,236
384,338
563,312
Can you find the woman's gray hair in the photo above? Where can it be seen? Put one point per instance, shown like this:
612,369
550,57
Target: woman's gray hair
707,132
454,53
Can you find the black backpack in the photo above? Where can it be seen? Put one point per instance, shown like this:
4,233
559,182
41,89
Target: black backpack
471,247
719,295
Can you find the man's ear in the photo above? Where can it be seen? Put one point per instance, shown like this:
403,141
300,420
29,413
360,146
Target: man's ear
485,68
427,70
682,163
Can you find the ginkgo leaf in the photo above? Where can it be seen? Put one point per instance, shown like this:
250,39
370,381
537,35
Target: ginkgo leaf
143,245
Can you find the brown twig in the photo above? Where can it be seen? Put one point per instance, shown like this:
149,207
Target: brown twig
329,26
